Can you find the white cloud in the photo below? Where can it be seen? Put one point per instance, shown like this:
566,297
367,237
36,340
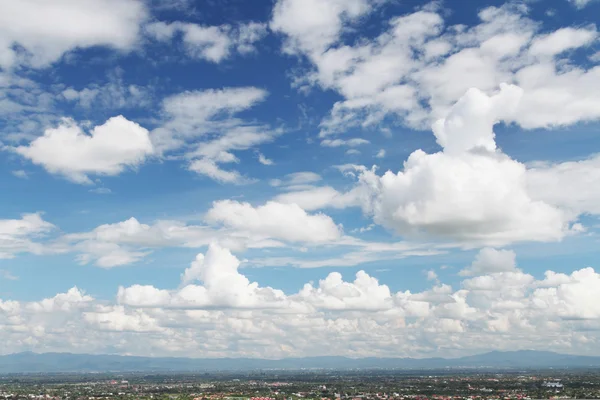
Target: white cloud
21,174
468,192
490,260
264,160
208,154
203,123
380,154
222,286
73,299
432,275
332,293
314,25
572,298
340,142
108,150
196,113
287,222
101,190
48,30
210,169
296,180
18,235
110,96
211,43
7,275
502,310
572,185
314,198
130,241
418,67
562,40
580,3
106,254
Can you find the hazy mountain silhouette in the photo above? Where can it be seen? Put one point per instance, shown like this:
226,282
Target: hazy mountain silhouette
67,362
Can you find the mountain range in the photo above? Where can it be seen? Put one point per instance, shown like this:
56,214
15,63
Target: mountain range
29,362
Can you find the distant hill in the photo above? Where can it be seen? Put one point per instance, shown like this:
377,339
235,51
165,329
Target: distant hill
66,362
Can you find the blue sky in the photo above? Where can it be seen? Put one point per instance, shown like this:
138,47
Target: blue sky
178,177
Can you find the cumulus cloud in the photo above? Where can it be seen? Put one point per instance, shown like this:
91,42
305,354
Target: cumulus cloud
108,150
470,191
335,317
46,31
222,286
332,293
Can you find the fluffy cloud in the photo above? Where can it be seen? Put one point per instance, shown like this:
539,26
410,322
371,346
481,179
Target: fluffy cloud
222,286
47,30
287,222
490,260
470,191
365,293
108,150
211,43
418,67
314,25
572,297
242,318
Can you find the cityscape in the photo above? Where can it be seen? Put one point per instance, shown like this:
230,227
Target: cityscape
313,385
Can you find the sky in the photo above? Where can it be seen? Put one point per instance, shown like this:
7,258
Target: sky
290,178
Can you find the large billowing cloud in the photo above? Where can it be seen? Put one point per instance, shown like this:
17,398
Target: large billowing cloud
358,318
46,30
470,192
